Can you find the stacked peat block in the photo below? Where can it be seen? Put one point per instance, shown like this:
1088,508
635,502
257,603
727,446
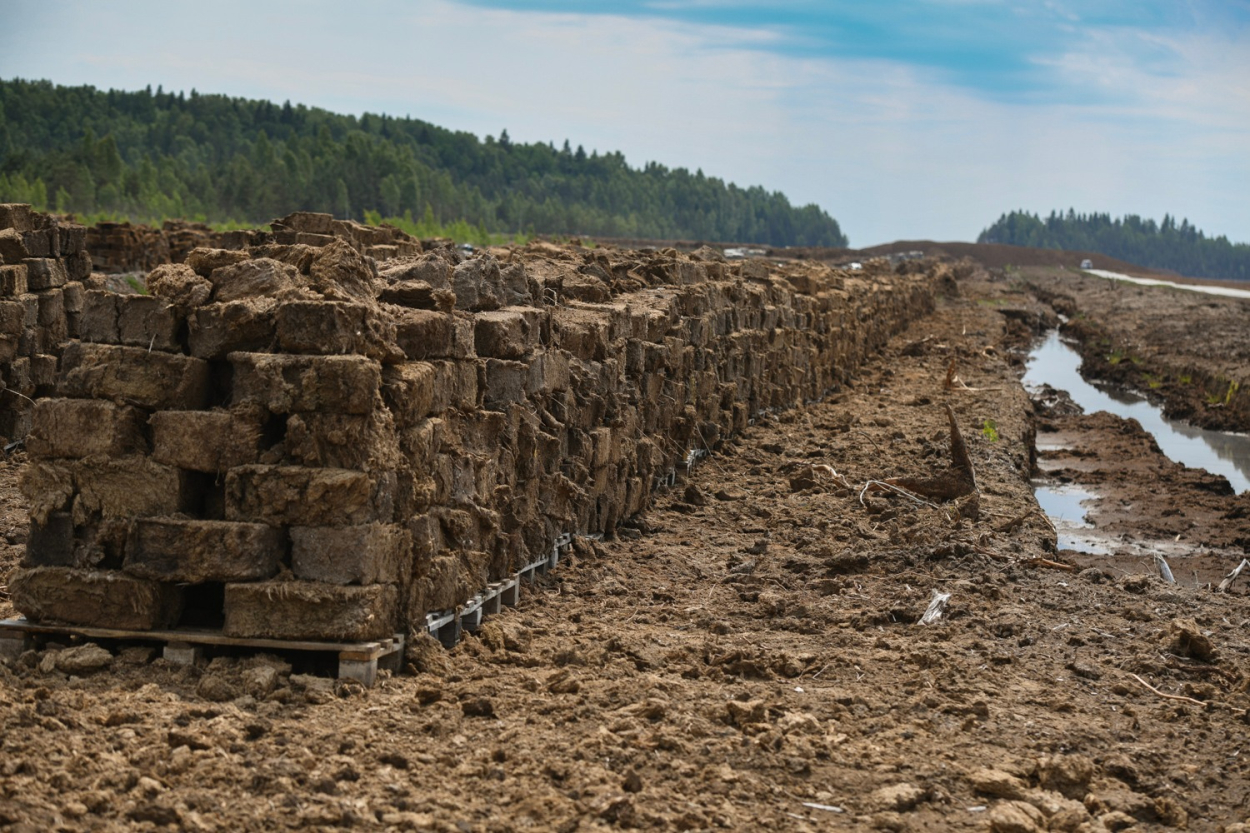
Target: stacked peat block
42,266
294,442
126,247
311,229
161,474
183,237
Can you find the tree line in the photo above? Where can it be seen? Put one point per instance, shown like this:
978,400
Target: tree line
1166,245
157,155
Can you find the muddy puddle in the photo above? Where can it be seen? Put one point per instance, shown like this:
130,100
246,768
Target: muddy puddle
1056,364
1065,506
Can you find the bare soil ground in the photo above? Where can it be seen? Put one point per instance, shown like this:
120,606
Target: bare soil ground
748,657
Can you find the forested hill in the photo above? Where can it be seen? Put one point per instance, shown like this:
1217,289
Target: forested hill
153,155
1179,248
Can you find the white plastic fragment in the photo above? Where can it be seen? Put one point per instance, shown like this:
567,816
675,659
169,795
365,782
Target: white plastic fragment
937,606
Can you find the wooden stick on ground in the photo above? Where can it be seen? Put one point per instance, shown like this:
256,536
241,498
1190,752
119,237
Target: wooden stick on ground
1183,699
1046,562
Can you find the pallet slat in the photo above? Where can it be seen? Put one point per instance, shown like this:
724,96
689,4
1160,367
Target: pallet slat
357,660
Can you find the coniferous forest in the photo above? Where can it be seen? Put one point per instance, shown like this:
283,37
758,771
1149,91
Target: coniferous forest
151,155
1180,248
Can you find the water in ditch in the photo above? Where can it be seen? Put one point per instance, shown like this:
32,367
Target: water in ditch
1056,364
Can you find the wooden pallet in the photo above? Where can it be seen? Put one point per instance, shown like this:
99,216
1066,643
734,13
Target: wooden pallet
357,660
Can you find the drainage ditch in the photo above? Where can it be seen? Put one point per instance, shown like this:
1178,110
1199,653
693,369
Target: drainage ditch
1055,365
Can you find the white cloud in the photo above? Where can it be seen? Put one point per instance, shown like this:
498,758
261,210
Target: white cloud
889,150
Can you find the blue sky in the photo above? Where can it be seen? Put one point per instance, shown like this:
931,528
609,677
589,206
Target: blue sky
905,120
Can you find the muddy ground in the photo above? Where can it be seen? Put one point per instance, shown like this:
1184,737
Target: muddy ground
1185,350
748,657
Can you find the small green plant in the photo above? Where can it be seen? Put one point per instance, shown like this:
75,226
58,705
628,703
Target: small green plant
1116,356
1186,379
137,285
989,430
1227,397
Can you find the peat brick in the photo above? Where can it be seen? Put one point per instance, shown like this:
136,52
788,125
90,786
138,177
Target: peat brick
216,330
335,328
75,297
207,441
85,427
286,384
12,322
42,243
50,316
297,496
129,487
149,322
13,280
78,266
44,273
418,295
424,334
73,239
408,390
193,552
203,260
160,381
343,441
506,382
12,247
17,376
260,276
100,598
506,333
456,385
15,215
311,610
549,372
99,317
43,373
370,554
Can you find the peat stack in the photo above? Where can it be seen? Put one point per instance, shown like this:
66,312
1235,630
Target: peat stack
42,265
295,441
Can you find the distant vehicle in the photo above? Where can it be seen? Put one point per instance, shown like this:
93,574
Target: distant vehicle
742,254
855,267
465,248
1087,264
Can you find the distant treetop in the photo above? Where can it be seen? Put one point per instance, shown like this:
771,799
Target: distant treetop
1180,248
156,155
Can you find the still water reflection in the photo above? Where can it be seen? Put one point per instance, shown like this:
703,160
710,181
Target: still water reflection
1056,364
1064,505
